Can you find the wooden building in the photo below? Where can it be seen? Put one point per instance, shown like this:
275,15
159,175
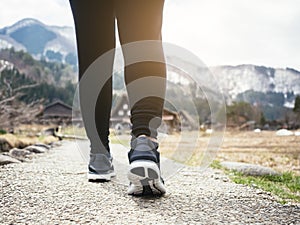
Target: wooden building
57,113
120,116
171,120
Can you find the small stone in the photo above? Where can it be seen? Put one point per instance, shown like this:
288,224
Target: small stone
4,159
42,145
259,192
249,169
55,144
19,153
36,149
254,185
5,146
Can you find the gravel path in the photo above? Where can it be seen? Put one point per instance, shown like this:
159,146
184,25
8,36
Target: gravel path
52,189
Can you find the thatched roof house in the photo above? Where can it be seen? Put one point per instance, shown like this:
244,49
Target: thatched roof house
57,109
57,113
120,116
171,120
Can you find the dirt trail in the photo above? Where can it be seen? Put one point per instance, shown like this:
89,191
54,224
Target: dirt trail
52,189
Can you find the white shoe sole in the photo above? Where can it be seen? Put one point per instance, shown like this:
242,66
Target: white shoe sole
105,177
145,179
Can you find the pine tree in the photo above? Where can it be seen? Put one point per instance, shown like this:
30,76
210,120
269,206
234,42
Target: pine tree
297,104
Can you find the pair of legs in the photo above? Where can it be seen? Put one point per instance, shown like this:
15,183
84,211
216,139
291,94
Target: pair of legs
137,20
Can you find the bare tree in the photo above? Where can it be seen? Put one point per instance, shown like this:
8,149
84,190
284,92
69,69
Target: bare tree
14,112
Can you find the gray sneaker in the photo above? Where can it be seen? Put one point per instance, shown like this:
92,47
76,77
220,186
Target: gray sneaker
100,167
144,172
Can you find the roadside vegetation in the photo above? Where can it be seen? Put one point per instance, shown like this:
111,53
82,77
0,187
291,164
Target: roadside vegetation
285,186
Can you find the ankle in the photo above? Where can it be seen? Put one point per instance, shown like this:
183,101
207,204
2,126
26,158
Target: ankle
150,138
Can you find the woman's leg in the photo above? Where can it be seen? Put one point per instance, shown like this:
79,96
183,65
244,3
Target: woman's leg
140,21
95,33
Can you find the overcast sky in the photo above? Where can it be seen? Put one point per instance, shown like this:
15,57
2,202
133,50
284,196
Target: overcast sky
220,32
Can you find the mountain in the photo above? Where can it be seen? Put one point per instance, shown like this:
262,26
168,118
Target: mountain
52,43
24,79
270,90
55,73
238,80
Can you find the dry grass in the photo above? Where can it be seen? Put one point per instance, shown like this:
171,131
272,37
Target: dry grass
279,152
26,135
21,141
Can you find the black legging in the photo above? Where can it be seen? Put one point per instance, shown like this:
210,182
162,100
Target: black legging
137,20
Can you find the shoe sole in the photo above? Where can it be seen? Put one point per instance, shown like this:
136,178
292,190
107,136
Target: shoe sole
145,179
100,177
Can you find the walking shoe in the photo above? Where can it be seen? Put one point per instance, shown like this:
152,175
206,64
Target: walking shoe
100,167
144,173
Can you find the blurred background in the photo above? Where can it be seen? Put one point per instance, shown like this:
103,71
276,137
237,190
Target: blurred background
252,48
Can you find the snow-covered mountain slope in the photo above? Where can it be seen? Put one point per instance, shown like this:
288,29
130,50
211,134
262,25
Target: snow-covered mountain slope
238,79
40,40
247,79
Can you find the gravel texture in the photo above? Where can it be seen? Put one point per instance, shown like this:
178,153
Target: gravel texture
52,188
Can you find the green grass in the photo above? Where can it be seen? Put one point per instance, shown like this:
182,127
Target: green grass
286,186
216,165
118,141
123,140
77,131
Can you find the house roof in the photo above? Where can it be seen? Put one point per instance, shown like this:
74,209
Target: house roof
56,109
58,102
123,99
